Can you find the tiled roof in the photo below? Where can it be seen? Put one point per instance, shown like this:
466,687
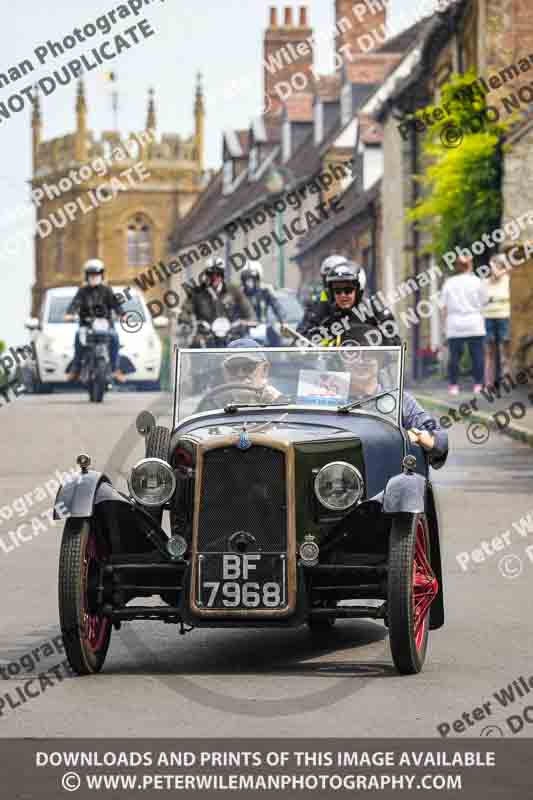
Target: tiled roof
402,41
215,210
354,202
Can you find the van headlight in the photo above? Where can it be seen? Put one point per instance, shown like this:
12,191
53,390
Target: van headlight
339,486
152,482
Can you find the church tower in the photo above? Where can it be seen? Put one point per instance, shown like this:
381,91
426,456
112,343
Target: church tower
116,198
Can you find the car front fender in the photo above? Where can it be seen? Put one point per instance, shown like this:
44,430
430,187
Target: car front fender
78,496
405,493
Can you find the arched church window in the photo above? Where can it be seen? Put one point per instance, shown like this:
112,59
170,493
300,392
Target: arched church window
140,242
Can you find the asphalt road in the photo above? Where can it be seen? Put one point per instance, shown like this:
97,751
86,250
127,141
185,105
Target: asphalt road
262,683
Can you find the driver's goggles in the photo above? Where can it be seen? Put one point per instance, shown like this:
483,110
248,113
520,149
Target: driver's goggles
244,367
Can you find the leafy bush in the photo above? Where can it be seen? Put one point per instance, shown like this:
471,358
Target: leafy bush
462,197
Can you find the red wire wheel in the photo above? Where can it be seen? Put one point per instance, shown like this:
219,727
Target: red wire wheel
86,633
412,587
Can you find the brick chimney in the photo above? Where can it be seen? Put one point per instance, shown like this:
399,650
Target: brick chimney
361,25
288,58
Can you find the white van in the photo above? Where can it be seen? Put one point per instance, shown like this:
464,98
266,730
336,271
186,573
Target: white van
140,350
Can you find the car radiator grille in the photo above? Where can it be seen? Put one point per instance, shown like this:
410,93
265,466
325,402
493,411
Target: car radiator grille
243,490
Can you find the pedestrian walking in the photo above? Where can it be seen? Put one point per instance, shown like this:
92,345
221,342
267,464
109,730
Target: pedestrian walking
463,299
497,321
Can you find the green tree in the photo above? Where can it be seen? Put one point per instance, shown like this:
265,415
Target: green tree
462,197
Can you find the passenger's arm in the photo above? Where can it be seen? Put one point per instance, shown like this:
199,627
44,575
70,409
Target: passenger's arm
433,438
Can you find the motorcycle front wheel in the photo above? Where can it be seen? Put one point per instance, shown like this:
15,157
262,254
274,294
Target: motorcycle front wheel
98,382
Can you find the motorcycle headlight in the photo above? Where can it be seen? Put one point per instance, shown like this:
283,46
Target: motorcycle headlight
338,486
152,482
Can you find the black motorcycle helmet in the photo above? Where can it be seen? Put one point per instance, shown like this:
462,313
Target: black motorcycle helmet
349,273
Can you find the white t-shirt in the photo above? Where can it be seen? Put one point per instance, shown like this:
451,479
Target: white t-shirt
463,297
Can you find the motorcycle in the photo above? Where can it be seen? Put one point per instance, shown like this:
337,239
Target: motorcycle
95,339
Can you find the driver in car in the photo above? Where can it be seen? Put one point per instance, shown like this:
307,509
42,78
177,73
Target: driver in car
250,368
422,428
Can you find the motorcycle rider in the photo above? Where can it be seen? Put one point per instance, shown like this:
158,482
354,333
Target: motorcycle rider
215,298
95,299
347,316
319,309
261,298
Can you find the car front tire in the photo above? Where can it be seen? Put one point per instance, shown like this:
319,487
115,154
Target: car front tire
86,634
412,586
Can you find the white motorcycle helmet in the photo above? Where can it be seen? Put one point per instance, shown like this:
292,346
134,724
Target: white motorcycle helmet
251,275
94,268
330,263
253,269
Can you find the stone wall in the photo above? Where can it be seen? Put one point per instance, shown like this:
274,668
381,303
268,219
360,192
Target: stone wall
518,200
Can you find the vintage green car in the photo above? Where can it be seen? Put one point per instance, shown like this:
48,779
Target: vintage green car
294,496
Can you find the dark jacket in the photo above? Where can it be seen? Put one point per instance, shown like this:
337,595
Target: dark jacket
206,305
355,323
95,301
315,312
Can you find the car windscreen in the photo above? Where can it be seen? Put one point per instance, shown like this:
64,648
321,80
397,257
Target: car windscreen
58,308
323,378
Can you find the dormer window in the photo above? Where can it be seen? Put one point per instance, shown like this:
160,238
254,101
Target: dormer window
346,103
319,122
286,141
253,160
228,175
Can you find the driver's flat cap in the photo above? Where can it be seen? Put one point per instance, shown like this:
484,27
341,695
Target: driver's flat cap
246,344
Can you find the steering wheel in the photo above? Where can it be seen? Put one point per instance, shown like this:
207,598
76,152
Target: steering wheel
228,388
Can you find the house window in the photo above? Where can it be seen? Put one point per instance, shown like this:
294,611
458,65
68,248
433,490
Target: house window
228,175
139,242
346,104
253,161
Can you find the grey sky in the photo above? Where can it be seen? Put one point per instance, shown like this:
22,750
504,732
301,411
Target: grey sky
224,41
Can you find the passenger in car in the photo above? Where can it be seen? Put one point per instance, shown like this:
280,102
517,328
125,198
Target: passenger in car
422,428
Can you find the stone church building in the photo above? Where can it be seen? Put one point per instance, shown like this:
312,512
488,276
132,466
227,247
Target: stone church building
128,229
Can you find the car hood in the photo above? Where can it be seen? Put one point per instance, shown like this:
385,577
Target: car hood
382,441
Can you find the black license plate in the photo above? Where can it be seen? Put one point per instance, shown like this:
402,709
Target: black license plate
242,581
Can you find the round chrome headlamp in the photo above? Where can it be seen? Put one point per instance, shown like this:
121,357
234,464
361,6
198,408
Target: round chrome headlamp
152,482
338,486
